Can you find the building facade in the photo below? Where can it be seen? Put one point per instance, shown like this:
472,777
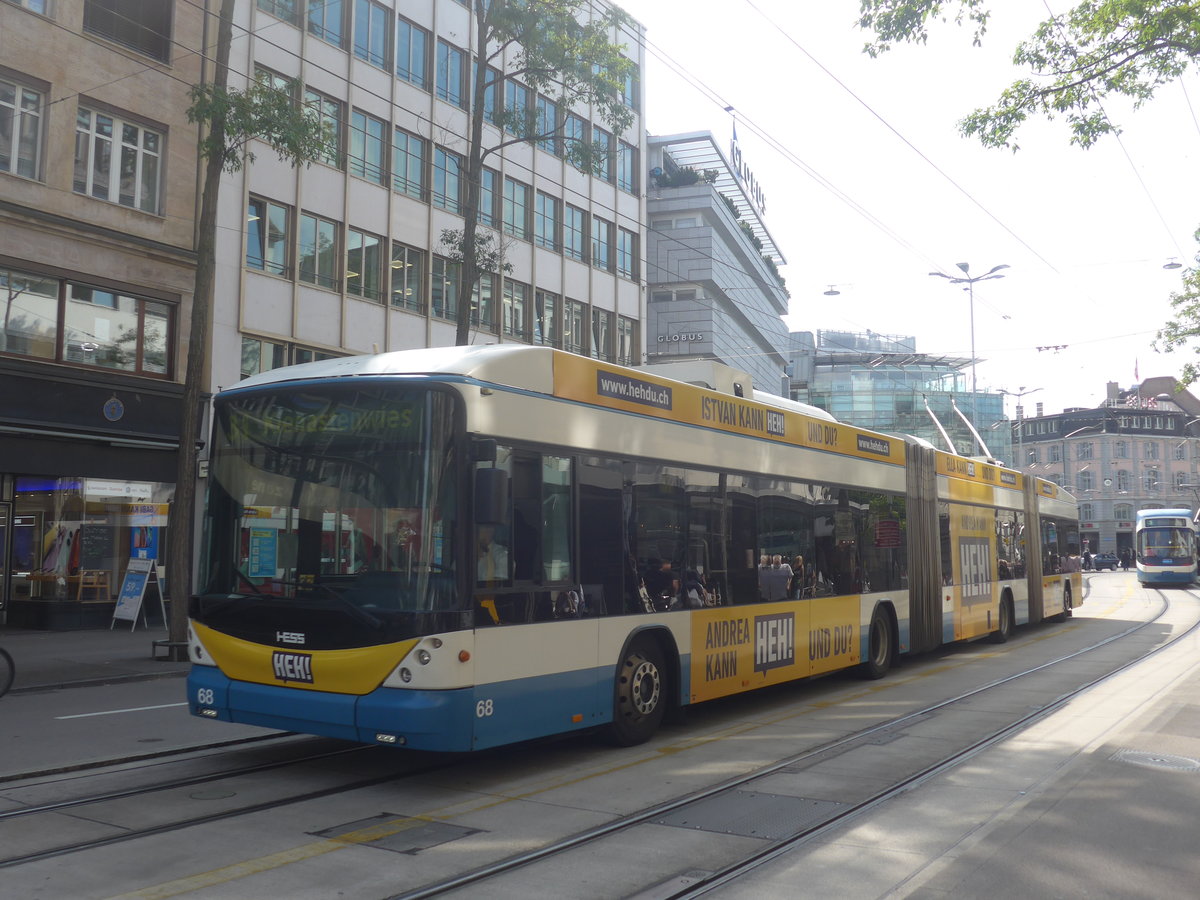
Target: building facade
98,168
715,291
880,381
1139,450
346,256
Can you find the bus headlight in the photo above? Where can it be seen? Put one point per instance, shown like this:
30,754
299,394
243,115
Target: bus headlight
423,656
405,675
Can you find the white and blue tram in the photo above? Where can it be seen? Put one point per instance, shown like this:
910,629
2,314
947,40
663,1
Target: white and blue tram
1165,546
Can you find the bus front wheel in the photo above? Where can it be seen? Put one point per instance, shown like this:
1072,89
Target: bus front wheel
640,695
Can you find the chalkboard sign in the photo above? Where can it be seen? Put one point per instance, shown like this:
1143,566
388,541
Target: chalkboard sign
96,546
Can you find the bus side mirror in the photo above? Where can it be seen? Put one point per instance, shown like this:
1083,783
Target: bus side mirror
483,450
491,497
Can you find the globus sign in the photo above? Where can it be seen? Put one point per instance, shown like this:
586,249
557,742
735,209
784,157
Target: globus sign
681,338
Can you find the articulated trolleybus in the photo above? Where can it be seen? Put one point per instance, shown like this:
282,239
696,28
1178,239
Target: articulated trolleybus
1165,546
458,548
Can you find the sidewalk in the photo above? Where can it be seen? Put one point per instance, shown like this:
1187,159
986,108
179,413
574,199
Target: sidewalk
53,659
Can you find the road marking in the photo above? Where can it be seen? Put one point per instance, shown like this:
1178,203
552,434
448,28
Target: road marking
113,712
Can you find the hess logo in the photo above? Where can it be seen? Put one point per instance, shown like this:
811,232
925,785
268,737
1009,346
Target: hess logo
289,637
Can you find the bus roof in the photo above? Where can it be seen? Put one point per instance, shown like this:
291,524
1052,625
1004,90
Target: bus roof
516,365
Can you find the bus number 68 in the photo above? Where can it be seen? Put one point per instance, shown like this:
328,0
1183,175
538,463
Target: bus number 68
483,709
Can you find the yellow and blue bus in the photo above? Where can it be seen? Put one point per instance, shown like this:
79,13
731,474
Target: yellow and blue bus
1165,546
452,549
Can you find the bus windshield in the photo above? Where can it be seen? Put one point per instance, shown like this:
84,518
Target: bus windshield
336,498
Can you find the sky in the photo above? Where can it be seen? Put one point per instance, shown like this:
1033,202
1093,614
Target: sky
869,187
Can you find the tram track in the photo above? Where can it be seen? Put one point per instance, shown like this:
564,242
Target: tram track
164,787
701,877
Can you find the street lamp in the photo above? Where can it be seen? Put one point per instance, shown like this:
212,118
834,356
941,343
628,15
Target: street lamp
1019,393
966,279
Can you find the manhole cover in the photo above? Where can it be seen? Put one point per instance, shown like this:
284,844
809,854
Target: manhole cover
1157,760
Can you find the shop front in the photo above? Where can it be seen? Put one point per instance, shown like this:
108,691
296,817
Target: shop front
87,470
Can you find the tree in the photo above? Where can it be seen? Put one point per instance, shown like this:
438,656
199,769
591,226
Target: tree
562,49
1078,59
229,121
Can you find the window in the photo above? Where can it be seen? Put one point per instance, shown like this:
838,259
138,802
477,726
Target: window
1119,450
1084,480
489,198
547,316
516,208
626,341
318,251
602,239
546,124
1031,456
483,304
329,112
1123,512
143,25
1053,454
372,30
444,288
1084,450
518,100
575,233
116,331
1151,450
325,20
574,139
20,129
117,160
272,79
37,6
1123,480
261,356
408,164
546,221
268,230
364,265
627,253
447,180
491,95
450,67
516,302
32,329
627,167
602,333
368,137
412,53
304,355
1085,512
1180,450
575,335
1150,480
407,266
629,88
288,10
605,162
1181,481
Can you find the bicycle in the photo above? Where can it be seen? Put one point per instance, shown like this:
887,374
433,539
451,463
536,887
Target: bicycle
8,671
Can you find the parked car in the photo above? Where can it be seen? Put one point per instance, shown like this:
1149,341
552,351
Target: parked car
1105,561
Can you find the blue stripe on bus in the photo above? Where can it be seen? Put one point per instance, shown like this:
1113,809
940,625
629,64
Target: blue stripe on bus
451,720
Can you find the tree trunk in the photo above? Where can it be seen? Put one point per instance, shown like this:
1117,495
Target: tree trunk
180,540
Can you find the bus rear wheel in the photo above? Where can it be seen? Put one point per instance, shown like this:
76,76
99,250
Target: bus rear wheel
1067,610
1004,626
880,646
640,694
